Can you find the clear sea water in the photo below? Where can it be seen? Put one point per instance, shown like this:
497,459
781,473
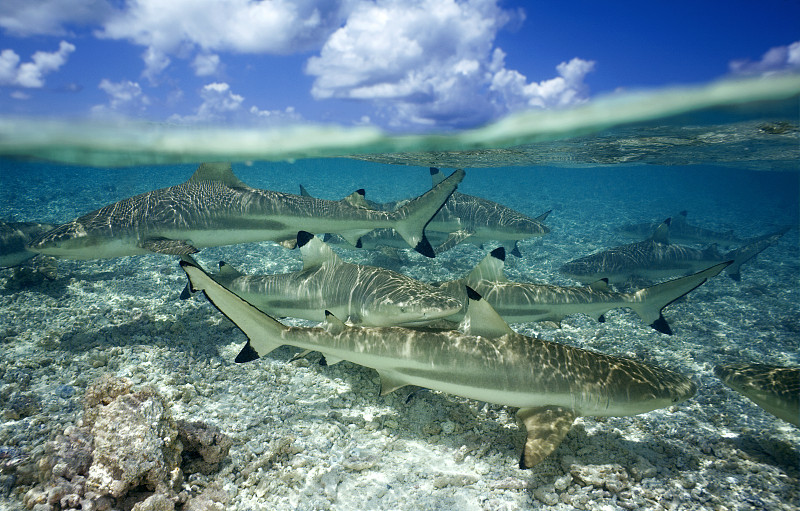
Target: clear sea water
731,159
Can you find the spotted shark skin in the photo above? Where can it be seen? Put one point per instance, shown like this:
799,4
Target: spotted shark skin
776,389
550,383
359,294
214,208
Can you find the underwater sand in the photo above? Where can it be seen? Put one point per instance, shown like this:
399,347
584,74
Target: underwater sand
349,448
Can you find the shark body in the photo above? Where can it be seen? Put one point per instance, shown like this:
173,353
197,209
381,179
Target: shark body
214,208
776,389
518,302
462,219
680,231
657,258
550,383
365,295
14,236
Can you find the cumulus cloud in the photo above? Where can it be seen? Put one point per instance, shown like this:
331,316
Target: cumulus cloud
220,103
776,60
31,74
205,64
123,96
50,17
179,27
433,62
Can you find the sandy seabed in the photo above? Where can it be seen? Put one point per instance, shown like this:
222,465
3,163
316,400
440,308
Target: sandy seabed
312,437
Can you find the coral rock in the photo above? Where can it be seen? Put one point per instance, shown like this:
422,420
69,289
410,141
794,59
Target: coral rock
205,446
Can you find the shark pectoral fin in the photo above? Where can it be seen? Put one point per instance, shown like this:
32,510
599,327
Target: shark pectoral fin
453,239
227,270
600,285
481,319
546,426
333,324
515,250
168,246
390,382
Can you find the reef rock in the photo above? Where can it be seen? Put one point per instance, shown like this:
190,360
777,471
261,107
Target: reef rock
204,446
136,443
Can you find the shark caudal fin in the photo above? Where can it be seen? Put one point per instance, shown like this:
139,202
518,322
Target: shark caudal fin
650,301
413,216
262,331
749,250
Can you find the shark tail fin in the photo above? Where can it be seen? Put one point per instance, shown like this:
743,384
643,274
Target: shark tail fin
263,332
650,301
749,250
413,216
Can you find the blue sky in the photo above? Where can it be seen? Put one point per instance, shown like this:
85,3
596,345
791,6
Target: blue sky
402,65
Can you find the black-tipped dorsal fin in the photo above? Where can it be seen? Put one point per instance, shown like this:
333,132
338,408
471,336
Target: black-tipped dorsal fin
314,251
220,172
437,176
490,268
357,200
543,216
600,285
661,234
481,319
546,426
333,324
226,270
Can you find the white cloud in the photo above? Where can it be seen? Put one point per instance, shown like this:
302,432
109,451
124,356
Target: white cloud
205,64
219,104
181,27
31,74
433,62
775,60
50,17
123,94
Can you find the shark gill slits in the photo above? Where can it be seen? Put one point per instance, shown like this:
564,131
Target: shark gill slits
303,237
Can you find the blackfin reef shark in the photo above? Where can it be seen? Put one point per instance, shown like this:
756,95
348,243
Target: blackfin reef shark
358,294
550,383
681,231
215,208
462,219
14,236
774,388
519,302
656,258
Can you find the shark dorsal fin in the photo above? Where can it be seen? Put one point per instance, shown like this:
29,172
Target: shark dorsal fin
390,382
436,176
600,285
481,319
543,216
226,270
220,172
490,268
661,234
304,192
333,325
314,251
357,200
